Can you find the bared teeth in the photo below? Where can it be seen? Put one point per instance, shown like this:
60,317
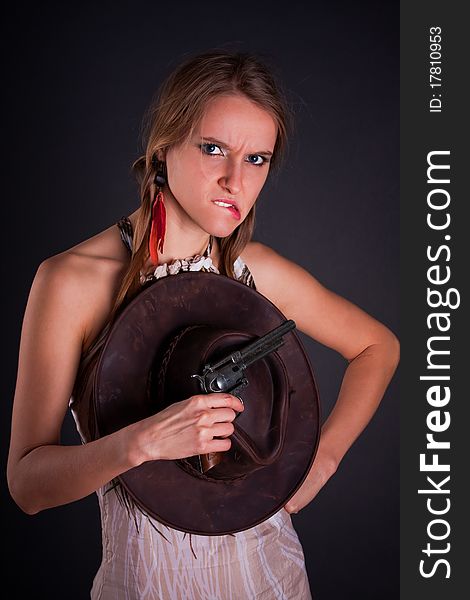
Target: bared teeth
223,204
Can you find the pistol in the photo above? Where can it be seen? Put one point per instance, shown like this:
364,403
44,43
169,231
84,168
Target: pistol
228,374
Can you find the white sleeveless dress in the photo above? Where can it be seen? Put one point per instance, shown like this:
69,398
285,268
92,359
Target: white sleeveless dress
145,560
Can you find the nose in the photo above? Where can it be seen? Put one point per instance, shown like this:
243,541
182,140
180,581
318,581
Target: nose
231,177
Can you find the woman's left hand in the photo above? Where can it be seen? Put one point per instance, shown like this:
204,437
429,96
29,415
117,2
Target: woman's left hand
324,466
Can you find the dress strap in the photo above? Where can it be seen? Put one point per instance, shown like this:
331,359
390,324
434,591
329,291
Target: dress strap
125,229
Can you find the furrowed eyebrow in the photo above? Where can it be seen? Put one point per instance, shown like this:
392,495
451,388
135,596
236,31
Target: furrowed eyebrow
225,145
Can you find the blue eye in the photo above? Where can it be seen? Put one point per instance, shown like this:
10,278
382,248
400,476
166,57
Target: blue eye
256,157
208,148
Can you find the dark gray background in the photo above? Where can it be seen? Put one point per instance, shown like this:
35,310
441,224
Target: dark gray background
76,83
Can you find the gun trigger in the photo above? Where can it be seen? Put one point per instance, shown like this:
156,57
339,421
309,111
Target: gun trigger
201,381
241,400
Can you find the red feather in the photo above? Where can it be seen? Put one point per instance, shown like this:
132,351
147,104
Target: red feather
157,232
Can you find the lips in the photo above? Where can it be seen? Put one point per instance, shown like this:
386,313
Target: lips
233,208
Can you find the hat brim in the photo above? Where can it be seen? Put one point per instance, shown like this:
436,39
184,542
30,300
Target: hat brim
121,396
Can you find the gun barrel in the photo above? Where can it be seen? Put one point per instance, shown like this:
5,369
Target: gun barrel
265,344
269,338
262,352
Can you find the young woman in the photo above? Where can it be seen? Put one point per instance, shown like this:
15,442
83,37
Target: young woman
217,128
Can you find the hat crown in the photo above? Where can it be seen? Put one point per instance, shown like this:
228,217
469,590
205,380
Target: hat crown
259,430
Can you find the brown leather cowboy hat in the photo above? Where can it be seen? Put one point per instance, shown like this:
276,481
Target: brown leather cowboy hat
156,353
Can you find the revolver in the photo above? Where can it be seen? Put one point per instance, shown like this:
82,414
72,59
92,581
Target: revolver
227,375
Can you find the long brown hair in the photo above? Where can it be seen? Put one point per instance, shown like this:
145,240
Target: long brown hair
171,118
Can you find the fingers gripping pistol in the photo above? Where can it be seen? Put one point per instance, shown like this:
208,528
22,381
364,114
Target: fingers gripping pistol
228,374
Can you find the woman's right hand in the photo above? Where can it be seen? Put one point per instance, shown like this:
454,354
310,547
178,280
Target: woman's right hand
185,428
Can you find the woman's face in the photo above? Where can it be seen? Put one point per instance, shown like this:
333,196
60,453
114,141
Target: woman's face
225,160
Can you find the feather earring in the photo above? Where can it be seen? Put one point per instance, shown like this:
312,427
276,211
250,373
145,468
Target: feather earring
158,228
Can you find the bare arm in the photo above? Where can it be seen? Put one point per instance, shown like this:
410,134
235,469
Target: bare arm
369,347
63,300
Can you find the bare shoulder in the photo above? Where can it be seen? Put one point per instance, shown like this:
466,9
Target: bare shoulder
270,271
85,278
